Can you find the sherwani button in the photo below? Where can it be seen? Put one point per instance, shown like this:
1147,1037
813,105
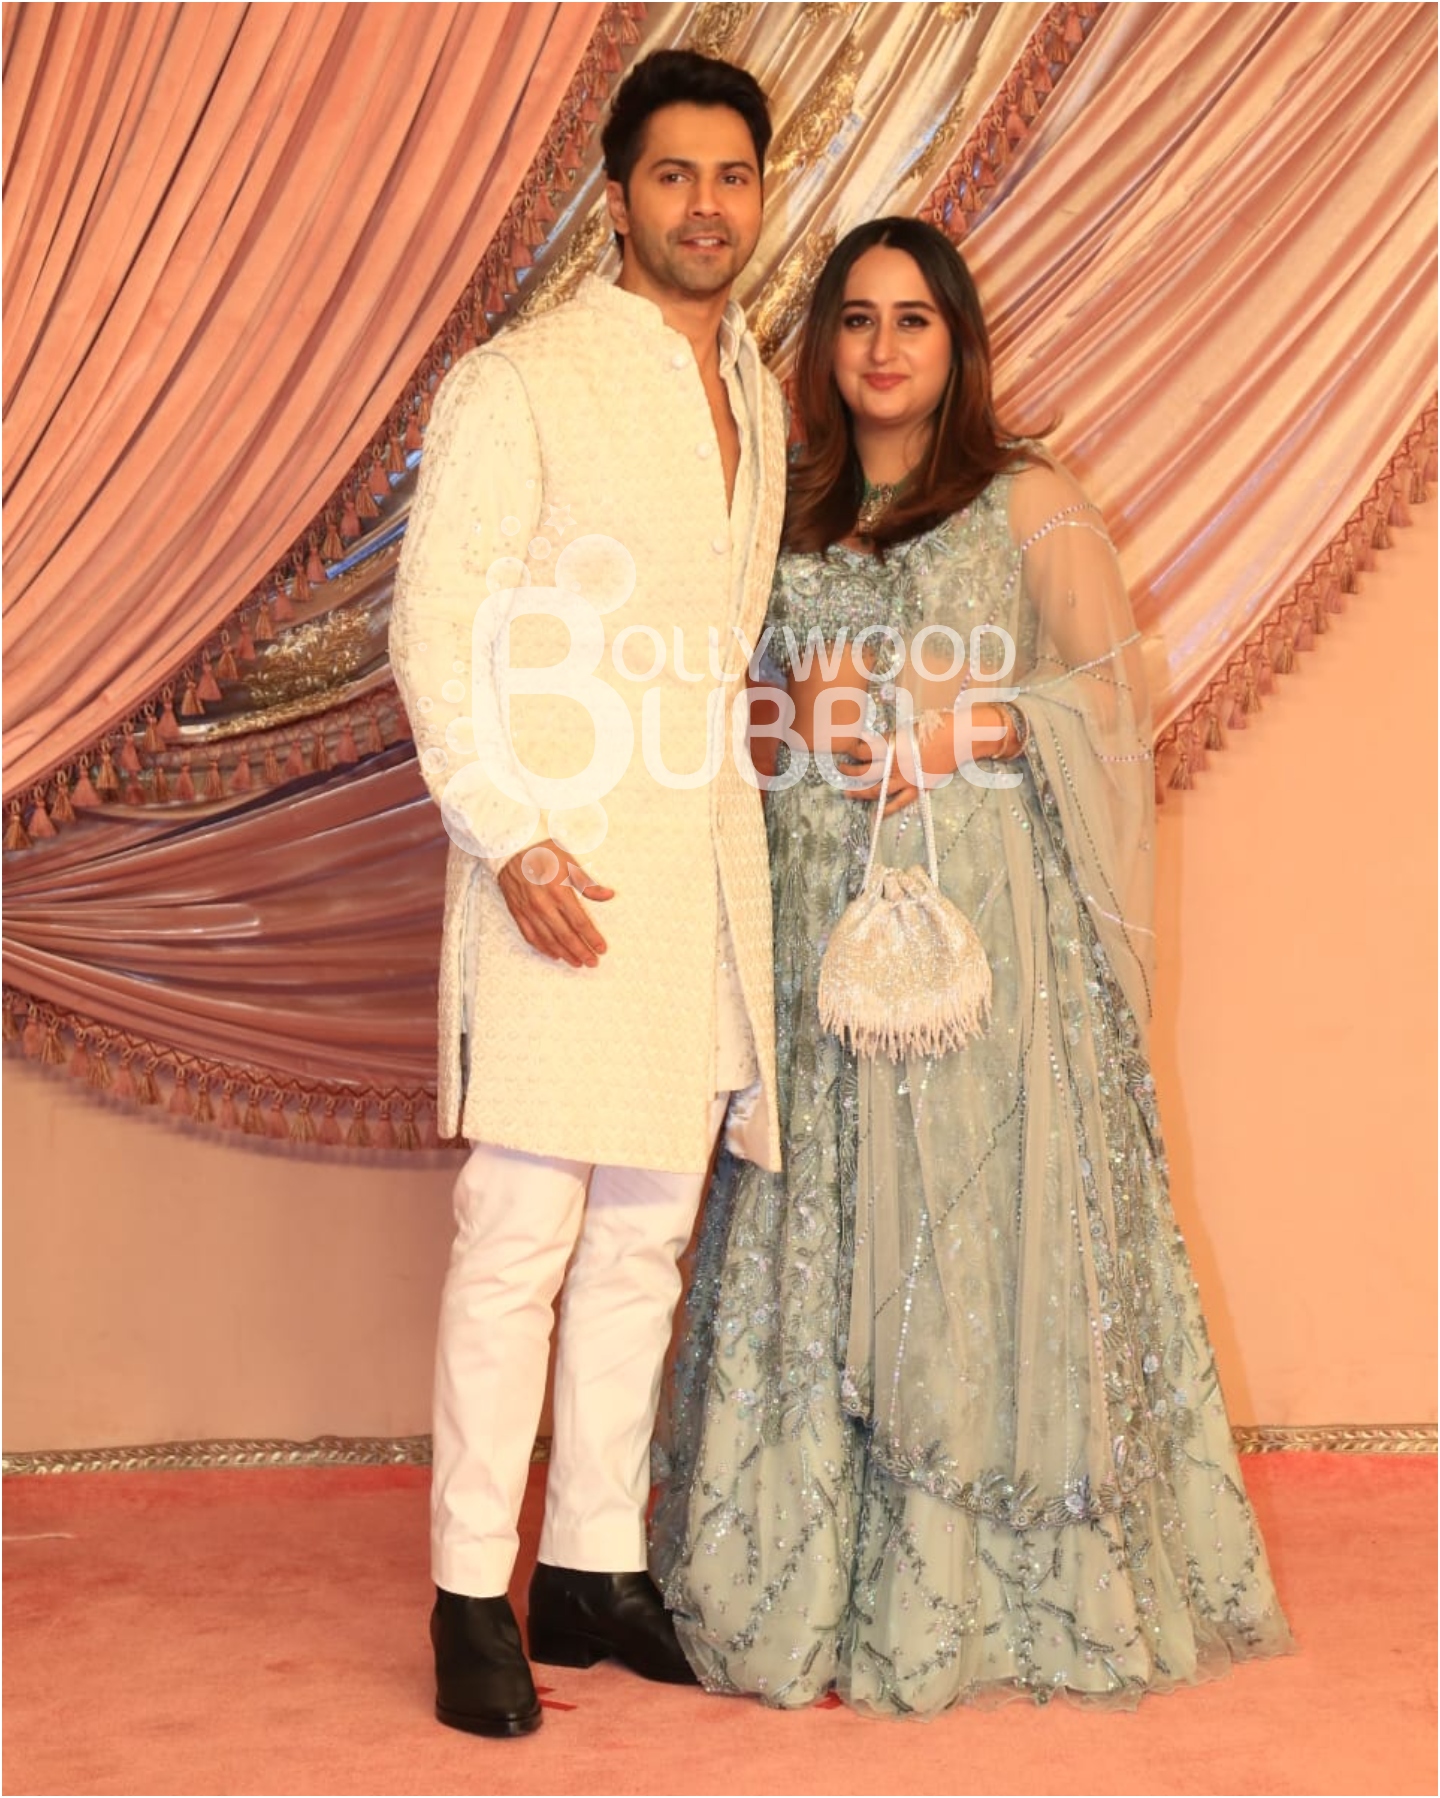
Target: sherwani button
720,545
704,449
679,359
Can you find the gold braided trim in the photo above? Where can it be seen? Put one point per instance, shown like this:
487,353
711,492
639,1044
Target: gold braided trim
222,1095
1009,120
1336,1438
414,1451
164,1457
293,587
1294,623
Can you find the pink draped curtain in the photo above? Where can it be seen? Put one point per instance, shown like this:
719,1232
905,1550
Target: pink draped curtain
231,233
1215,262
300,938
1214,256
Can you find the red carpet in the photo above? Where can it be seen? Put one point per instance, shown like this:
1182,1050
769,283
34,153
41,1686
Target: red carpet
265,1632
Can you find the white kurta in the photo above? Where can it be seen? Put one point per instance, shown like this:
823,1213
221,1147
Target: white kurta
593,420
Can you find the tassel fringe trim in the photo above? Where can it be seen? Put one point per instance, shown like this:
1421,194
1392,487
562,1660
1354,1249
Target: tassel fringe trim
227,1096
897,1040
964,189
1292,626
167,775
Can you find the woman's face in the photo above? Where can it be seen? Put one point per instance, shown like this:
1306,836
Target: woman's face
892,353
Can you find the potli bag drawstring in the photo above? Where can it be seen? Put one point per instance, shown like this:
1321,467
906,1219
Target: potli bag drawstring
904,972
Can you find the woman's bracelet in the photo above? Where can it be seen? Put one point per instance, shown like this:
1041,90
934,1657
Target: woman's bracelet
1016,727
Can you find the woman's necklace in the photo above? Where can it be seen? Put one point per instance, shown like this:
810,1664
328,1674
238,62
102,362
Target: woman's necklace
876,501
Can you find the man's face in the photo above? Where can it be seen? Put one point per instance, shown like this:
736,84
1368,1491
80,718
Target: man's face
692,216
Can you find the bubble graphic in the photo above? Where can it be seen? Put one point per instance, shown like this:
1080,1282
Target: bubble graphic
505,573
597,568
434,759
453,691
480,819
457,666
541,548
460,736
425,704
540,865
580,828
510,525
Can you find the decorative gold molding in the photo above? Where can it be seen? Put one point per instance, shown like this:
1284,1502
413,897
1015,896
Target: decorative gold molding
414,1451
785,296
578,259
713,28
165,1457
826,108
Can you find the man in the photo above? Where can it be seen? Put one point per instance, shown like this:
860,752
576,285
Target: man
602,480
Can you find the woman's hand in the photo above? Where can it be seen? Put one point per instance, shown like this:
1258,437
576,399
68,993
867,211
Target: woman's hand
867,758
937,764
980,731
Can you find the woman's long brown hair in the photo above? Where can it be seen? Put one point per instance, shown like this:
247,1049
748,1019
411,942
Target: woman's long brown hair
968,447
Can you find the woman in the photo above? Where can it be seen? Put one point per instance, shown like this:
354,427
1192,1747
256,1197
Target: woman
946,1424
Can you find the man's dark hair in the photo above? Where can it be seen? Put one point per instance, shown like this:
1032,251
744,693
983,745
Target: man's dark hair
675,78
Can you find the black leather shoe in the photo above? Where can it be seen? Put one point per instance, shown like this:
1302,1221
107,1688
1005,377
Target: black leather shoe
482,1679
579,1618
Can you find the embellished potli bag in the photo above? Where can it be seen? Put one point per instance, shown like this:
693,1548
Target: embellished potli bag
904,972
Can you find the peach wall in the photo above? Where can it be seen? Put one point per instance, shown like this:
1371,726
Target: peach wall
1295,1042
163,1284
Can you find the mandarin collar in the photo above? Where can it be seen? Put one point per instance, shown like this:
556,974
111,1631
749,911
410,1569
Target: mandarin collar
605,296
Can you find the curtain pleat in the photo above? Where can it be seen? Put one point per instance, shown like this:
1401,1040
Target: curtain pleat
1215,262
232,233
300,936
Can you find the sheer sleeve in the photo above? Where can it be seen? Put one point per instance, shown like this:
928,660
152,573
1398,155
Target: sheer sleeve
1085,705
477,505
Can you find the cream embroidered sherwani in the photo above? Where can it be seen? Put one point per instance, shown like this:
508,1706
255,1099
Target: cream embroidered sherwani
578,449
593,420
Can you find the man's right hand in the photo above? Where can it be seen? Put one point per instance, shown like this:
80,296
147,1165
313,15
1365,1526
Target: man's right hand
542,887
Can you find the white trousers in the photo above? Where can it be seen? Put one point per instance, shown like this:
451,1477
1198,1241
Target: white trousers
519,1220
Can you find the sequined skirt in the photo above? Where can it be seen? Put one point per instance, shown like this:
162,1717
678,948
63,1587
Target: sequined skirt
945,1424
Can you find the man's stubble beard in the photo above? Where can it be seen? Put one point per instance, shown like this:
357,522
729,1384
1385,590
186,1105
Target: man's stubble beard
668,269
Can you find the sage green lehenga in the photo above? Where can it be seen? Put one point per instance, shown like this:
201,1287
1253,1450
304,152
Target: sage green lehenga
946,1425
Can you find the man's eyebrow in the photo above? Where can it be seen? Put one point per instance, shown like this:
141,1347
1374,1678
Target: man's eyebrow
685,162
